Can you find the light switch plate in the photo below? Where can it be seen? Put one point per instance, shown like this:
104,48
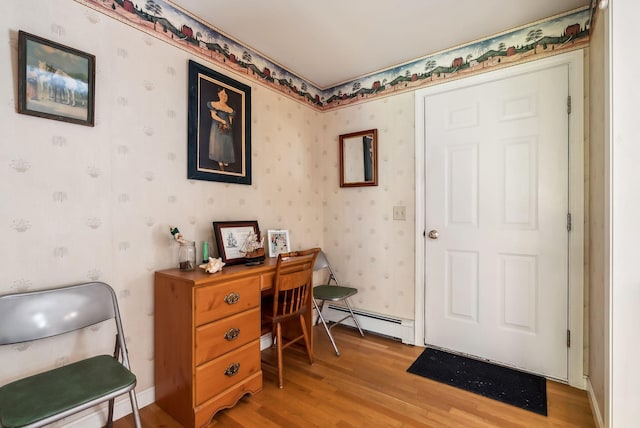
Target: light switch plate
399,213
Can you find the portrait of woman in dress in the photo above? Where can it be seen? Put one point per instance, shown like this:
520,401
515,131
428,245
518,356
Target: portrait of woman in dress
221,148
219,127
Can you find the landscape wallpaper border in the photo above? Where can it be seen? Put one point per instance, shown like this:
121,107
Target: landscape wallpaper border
168,22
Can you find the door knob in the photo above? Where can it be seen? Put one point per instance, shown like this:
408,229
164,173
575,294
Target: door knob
433,234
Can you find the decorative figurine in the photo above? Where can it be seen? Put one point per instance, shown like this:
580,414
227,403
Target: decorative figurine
253,248
176,234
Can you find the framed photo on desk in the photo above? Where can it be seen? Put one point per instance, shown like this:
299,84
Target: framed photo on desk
231,237
278,242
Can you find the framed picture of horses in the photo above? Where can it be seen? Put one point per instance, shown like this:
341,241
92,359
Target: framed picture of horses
55,81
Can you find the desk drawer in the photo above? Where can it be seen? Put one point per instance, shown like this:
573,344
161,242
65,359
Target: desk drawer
219,337
266,280
221,300
211,379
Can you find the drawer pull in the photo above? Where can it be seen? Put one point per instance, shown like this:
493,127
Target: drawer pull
232,298
232,370
232,334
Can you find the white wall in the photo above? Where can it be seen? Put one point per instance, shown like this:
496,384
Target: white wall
624,229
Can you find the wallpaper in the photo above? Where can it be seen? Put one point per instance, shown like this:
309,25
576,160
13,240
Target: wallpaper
376,253
84,203
596,341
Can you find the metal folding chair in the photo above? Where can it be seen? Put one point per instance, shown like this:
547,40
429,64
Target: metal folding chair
332,293
46,397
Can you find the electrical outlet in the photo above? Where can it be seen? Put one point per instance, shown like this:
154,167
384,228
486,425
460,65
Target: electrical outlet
399,213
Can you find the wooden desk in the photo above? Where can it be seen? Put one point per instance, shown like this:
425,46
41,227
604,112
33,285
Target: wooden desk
207,338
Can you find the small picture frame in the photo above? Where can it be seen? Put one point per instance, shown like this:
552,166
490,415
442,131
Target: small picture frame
278,241
231,237
55,81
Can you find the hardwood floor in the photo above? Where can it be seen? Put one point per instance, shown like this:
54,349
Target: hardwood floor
368,386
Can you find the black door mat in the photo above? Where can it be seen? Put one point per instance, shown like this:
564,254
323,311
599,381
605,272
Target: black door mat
504,384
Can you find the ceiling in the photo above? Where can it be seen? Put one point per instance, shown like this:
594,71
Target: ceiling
332,41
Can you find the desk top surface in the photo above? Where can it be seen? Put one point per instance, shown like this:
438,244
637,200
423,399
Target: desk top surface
228,273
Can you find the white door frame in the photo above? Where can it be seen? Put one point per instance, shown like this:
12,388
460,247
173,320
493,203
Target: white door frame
574,60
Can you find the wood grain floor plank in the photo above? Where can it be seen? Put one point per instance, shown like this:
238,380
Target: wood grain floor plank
368,386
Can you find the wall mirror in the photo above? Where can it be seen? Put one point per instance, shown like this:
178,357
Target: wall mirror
359,159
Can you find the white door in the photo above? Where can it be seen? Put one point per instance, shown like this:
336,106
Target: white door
497,195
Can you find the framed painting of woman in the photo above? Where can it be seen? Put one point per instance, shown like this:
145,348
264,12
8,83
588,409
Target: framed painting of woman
219,127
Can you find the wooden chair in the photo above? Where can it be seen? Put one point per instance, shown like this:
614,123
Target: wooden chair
292,288
332,293
46,397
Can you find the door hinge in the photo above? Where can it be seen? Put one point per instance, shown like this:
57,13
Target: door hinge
568,338
568,222
569,104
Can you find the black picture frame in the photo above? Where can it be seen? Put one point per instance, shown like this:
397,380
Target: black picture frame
55,81
230,237
218,150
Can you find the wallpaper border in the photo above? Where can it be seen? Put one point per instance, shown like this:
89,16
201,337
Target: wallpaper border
168,22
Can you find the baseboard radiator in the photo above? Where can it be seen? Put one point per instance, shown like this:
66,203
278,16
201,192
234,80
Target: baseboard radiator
397,328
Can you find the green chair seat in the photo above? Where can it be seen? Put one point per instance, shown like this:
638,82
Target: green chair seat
333,293
37,397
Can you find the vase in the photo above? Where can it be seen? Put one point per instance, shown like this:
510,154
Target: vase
187,256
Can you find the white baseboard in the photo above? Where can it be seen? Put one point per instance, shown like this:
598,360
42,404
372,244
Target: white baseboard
98,415
595,409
